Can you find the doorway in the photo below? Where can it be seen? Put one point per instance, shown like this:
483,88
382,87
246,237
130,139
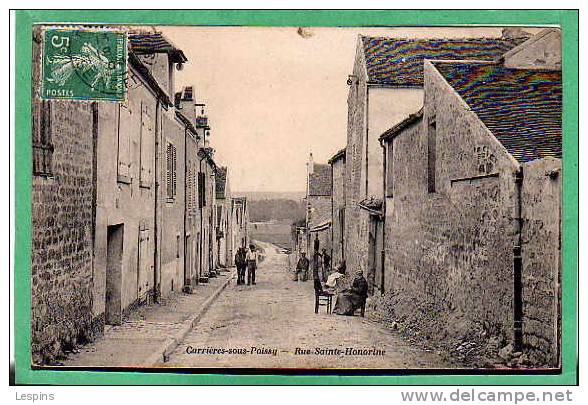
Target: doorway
114,255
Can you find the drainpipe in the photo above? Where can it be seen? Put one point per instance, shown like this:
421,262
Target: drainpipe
383,222
187,281
518,263
157,268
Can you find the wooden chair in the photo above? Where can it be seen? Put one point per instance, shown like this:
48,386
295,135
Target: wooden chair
322,298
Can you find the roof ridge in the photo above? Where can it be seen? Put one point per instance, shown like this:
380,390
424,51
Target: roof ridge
438,38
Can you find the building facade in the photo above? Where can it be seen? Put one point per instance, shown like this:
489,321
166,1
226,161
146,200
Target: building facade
468,182
337,163
124,201
386,85
318,207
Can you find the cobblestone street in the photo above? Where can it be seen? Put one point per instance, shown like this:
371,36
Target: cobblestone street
275,317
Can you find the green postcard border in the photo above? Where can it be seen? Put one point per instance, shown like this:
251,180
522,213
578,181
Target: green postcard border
566,19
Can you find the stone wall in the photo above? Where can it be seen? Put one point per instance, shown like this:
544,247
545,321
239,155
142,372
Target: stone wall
172,209
541,201
62,222
62,226
192,225
449,253
338,207
355,160
126,197
319,211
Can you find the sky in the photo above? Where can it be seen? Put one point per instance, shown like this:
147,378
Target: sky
273,94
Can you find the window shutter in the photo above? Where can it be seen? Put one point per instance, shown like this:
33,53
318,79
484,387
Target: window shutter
42,140
124,146
168,171
174,167
147,139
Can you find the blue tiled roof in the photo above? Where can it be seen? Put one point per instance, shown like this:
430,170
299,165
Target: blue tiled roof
399,62
521,107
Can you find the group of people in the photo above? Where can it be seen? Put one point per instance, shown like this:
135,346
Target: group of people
348,300
246,260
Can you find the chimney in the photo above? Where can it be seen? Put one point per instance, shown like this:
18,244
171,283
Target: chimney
514,33
310,164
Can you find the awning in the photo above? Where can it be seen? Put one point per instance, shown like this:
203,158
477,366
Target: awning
321,227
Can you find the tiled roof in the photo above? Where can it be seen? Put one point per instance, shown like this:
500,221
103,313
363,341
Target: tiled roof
221,182
320,181
155,42
399,62
521,107
340,154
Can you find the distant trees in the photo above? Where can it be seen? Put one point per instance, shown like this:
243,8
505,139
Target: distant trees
282,210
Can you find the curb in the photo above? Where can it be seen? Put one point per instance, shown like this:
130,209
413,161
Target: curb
163,352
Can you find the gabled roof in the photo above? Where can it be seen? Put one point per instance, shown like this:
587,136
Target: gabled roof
395,130
187,123
399,62
340,154
521,107
221,182
154,42
320,181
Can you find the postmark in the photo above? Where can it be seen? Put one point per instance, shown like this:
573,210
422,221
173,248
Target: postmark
80,64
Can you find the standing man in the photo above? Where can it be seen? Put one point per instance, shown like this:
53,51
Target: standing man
326,264
302,267
251,264
241,263
317,265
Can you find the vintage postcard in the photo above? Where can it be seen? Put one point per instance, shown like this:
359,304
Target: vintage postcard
229,199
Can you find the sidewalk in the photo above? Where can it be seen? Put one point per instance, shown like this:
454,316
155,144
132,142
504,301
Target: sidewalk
151,332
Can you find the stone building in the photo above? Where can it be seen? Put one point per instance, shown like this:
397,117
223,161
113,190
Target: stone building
62,222
223,218
207,201
239,223
386,85
337,163
472,223
318,206
186,112
132,263
123,201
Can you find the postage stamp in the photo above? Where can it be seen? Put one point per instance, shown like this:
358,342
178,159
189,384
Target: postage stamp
84,64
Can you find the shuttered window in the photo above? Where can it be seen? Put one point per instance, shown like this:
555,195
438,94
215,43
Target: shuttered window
189,192
171,171
42,140
201,189
147,140
125,124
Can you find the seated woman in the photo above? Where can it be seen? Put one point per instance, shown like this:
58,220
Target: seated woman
353,298
334,276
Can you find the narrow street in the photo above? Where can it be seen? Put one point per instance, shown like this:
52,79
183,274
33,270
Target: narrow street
261,326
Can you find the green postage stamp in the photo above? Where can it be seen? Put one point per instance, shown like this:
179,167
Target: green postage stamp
84,64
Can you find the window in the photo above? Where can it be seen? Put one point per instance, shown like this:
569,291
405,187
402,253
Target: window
189,188
170,171
201,189
431,154
390,169
124,144
42,140
147,139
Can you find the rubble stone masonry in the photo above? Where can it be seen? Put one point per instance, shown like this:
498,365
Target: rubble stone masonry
62,220
449,253
541,203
